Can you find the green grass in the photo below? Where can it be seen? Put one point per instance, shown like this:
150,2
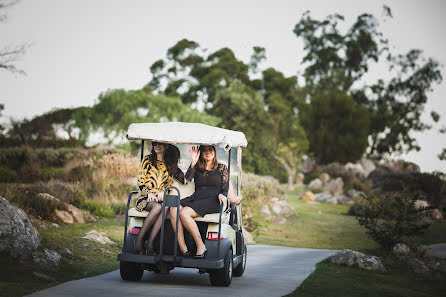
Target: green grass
319,225
17,279
328,226
335,280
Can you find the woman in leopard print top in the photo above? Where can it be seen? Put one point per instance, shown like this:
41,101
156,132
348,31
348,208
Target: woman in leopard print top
157,172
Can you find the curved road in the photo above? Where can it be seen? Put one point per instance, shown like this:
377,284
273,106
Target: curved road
270,271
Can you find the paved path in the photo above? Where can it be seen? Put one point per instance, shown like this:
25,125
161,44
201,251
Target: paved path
270,271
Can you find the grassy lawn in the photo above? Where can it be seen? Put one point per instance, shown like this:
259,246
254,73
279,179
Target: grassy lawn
18,279
328,226
319,225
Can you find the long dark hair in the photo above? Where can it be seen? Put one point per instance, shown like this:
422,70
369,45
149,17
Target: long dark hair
202,163
171,158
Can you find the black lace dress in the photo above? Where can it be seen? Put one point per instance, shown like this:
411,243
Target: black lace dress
208,185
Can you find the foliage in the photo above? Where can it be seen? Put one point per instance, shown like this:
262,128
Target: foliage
98,208
337,127
336,60
394,219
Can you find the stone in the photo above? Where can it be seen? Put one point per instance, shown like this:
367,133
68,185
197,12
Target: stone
55,225
436,250
421,203
308,196
335,187
401,249
355,195
44,277
76,213
367,165
342,199
47,258
357,259
322,197
63,216
324,177
274,199
265,210
315,184
418,267
300,179
437,214
283,208
18,237
66,251
100,237
355,168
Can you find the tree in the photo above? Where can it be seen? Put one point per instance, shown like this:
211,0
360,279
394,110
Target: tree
9,55
337,126
336,61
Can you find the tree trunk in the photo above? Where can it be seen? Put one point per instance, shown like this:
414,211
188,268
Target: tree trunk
289,170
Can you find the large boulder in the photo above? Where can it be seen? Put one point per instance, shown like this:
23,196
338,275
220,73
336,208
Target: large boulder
418,267
283,208
18,237
357,259
367,165
300,179
315,184
70,215
356,169
47,258
324,177
335,187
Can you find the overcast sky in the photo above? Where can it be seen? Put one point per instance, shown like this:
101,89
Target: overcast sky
81,48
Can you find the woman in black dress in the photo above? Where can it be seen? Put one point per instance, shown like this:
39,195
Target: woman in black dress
211,188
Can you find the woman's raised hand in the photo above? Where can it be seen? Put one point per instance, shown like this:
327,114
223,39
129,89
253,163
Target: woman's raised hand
195,155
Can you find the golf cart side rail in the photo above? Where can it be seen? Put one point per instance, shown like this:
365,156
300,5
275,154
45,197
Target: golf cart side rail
124,249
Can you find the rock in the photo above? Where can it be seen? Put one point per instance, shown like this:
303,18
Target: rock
55,225
308,196
66,251
418,267
18,237
367,165
100,237
248,237
354,258
437,214
355,195
401,249
335,187
86,245
324,177
47,258
272,180
76,213
265,210
274,199
355,168
308,164
322,197
315,184
300,179
342,199
283,208
436,250
278,219
63,216
44,277
421,203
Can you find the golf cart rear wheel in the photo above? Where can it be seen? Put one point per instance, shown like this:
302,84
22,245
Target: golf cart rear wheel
223,277
238,271
130,271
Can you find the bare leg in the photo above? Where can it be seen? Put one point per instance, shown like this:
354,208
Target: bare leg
187,214
173,219
155,209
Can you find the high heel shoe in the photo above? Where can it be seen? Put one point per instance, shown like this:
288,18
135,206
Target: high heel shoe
187,254
201,256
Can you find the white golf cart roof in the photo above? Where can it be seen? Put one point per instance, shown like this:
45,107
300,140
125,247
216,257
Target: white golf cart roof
187,133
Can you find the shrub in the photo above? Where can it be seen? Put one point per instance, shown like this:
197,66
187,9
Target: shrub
391,220
98,208
7,175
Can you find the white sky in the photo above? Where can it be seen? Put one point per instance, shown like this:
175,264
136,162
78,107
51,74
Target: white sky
82,48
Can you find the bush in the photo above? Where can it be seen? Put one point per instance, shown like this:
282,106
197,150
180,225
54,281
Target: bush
391,220
98,208
7,175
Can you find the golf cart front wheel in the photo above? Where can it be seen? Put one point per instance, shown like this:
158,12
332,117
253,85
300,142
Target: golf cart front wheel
130,271
223,277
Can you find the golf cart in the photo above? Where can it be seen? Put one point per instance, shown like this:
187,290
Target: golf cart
222,232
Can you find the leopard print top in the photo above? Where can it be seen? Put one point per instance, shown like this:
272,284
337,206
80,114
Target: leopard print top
152,179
